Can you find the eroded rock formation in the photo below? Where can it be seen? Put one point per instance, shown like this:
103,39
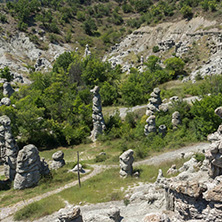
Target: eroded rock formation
126,163
97,116
58,160
154,102
176,120
8,147
28,168
70,214
150,127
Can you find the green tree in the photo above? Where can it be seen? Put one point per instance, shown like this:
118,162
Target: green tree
175,65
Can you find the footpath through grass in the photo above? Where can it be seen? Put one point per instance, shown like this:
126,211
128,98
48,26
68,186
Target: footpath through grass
107,186
59,178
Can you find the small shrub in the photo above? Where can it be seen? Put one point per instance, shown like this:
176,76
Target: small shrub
199,157
126,202
100,158
156,49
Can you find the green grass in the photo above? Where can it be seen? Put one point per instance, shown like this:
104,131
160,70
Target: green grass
107,186
87,152
59,178
44,207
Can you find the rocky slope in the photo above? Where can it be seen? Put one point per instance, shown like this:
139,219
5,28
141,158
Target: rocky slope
198,41
19,53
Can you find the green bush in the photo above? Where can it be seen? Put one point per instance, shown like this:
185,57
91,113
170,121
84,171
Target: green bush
156,49
199,157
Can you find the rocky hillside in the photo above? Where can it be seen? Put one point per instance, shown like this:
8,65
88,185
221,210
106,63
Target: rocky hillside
197,41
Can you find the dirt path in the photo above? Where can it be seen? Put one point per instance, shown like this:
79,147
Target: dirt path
172,155
156,160
5,212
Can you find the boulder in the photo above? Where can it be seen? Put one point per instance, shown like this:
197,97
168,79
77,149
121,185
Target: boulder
126,162
5,101
75,169
28,168
70,214
58,160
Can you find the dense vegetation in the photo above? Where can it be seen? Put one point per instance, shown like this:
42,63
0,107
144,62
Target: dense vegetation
56,108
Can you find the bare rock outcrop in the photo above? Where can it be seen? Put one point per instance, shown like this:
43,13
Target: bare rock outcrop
8,147
97,116
28,168
126,162
156,217
58,160
150,127
214,153
103,215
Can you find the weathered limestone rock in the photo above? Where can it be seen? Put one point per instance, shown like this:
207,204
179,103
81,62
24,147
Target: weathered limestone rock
150,127
214,153
75,169
8,147
42,64
176,121
156,217
28,168
126,162
7,89
97,116
154,102
58,160
5,101
87,51
70,214
173,169
103,215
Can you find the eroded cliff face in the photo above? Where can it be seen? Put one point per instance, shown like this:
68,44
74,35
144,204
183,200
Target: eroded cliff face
198,41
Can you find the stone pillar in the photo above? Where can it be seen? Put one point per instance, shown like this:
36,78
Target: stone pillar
8,147
154,102
151,125
97,116
126,162
176,121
